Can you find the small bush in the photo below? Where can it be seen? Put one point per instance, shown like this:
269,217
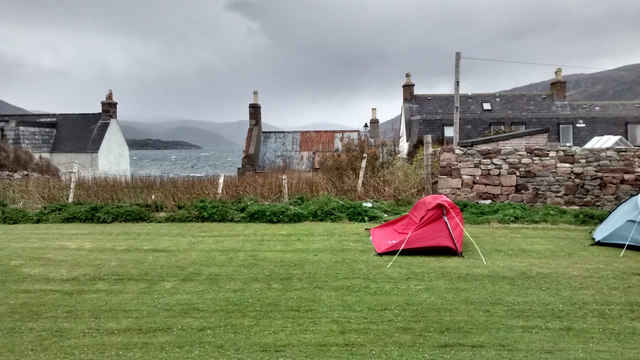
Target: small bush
214,211
273,213
589,216
180,216
93,213
18,159
11,215
110,213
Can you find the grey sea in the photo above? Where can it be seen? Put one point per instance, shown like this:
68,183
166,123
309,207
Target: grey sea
201,162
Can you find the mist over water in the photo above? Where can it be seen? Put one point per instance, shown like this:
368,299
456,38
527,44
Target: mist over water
200,162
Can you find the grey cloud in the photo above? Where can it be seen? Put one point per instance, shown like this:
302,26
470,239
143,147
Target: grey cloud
311,60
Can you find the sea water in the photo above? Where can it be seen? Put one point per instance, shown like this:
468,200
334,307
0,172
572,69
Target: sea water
200,162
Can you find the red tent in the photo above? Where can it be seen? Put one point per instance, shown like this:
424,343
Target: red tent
434,224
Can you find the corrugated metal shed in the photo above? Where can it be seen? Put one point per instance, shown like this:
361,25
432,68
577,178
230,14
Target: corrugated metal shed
299,150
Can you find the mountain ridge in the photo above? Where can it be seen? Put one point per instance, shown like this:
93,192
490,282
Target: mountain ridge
619,84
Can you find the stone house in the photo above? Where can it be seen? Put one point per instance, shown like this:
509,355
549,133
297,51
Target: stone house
94,140
294,150
549,118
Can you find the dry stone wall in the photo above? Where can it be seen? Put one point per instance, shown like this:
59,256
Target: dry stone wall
563,176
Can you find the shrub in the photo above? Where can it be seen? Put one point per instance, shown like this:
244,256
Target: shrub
589,216
214,211
110,213
180,216
12,215
92,213
18,159
273,213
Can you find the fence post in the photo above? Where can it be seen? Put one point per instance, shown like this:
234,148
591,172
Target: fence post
74,178
361,177
285,188
220,182
428,153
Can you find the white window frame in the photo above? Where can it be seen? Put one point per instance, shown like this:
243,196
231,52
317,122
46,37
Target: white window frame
518,126
564,131
447,131
633,134
496,126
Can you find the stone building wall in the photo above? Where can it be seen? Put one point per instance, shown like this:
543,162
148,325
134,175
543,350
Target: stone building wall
563,176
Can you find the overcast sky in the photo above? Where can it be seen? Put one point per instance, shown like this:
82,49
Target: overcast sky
311,61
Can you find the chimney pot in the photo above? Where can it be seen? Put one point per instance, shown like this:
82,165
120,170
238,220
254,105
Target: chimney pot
255,97
408,78
559,74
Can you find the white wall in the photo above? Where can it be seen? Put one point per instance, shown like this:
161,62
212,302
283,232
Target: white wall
113,156
64,161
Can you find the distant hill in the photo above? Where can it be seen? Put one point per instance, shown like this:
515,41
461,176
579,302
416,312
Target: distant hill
8,109
207,134
194,135
620,84
155,144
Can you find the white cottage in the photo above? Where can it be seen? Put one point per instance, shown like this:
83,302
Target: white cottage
94,140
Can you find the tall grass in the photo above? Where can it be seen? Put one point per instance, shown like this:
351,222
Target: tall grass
174,192
387,178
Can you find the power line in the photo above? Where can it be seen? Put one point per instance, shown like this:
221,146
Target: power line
534,63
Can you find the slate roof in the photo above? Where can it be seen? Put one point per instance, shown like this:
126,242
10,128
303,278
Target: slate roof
428,105
501,104
75,133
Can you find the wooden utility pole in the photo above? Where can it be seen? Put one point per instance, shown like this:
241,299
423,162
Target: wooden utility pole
456,102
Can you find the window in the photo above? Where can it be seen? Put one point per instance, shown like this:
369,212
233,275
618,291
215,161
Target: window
566,135
497,127
486,106
518,126
633,132
448,134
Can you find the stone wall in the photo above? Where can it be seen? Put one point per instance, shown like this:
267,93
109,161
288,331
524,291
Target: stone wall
563,176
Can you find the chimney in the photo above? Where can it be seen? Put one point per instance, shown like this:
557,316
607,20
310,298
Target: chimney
255,112
109,107
374,125
559,87
251,153
407,89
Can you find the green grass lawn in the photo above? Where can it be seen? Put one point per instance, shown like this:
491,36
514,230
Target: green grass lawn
310,291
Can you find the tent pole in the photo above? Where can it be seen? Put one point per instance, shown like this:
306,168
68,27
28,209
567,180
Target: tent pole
470,238
444,216
629,239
